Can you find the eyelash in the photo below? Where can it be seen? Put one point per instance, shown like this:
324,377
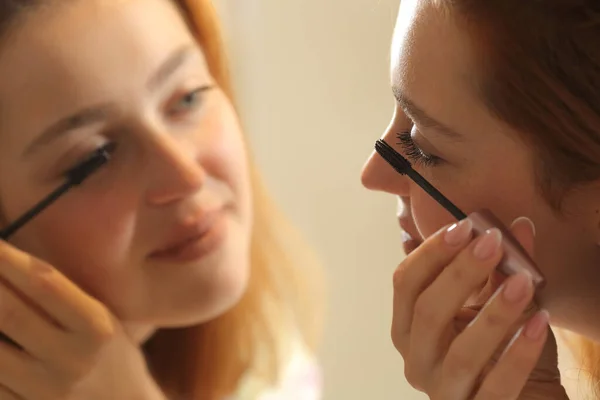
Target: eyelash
414,153
83,157
193,96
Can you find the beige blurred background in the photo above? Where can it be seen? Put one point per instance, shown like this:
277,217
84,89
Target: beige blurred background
312,79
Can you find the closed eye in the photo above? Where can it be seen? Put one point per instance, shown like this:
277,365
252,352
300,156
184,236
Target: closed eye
414,153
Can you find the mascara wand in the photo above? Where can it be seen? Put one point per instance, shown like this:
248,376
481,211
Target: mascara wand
75,177
402,166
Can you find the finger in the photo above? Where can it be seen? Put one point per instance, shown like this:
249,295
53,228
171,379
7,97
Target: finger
507,379
34,333
16,373
7,394
22,377
418,270
523,230
435,310
473,349
52,292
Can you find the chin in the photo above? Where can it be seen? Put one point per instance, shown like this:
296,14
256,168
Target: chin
227,293
207,300
183,295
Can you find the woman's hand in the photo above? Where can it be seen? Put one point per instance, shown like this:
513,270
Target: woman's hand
500,350
71,347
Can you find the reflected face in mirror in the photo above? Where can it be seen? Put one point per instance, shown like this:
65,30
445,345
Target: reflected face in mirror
161,233
444,128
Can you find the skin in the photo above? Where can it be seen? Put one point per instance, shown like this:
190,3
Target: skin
432,77
175,157
180,152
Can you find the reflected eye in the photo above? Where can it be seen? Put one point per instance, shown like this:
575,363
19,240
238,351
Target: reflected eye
190,101
414,153
109,148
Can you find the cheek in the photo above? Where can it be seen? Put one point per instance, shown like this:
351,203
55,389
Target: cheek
490,193
228,159
88,237
428,215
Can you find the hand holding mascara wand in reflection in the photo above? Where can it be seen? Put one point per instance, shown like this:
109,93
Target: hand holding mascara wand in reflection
75,176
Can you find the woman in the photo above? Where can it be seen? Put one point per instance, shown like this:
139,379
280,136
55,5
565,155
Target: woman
497,106
167,274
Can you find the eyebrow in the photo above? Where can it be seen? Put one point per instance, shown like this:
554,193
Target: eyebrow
98,113
421,117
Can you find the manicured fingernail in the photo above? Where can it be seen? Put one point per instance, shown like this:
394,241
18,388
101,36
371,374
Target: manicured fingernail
537,325
527,220
458,233
406,237
517,287
488,244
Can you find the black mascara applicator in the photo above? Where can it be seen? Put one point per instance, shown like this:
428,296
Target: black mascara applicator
76,176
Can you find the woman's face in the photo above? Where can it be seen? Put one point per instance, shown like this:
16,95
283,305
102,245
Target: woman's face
475,160
161,233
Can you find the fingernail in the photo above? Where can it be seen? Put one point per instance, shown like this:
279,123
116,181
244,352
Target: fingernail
458,233
517,287
406,237
488,244
535,328
525,219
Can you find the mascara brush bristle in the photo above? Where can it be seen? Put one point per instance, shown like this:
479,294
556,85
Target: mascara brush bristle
392,157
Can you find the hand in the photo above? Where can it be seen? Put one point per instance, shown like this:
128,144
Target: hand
458,352
70,346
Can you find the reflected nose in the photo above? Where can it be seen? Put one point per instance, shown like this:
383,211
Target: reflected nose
177,172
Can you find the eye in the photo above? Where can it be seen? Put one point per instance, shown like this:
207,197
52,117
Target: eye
109,148
414,153
190,101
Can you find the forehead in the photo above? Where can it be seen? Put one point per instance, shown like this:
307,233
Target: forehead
429,52
87,33
84,52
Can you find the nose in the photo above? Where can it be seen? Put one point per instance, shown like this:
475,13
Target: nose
378,175
176,171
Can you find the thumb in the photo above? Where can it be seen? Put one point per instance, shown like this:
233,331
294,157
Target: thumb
523,230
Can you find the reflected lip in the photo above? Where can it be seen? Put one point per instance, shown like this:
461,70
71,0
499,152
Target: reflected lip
184,234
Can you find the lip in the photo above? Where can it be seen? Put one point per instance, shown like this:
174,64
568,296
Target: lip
195,240
409,244
409,238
